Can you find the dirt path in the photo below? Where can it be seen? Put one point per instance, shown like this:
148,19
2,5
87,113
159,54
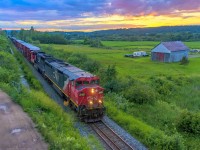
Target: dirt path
17,130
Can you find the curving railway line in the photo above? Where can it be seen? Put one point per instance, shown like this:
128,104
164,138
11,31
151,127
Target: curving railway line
109,137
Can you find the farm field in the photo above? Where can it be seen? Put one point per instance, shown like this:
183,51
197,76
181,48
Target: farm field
178,84
142,68
142,45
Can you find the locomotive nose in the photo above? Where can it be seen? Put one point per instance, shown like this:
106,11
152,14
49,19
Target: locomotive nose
94,97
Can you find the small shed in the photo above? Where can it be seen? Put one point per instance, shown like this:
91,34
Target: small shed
169,51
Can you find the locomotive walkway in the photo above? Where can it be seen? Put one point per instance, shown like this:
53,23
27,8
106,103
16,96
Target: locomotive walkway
17,130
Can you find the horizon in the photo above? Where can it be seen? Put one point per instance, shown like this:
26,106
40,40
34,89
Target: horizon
98,30
76,16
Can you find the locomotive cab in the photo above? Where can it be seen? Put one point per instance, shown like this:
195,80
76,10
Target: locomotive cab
90,98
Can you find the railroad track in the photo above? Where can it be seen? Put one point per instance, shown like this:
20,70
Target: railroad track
109,137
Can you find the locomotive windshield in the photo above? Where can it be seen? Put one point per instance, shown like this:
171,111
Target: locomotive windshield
94,82
85,82
80,83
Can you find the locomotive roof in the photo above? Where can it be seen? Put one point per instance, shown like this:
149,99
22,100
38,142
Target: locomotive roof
70,70
44,55
30,46
13,38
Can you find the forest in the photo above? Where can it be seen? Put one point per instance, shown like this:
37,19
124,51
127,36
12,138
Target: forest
173,33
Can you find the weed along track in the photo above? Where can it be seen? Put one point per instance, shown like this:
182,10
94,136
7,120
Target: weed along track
110,138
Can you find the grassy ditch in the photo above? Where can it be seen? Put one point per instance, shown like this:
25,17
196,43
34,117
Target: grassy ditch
55,125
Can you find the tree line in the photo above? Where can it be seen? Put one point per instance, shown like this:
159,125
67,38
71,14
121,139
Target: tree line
37,37
167,33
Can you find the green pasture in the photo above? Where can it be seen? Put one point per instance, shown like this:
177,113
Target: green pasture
126,45
137,67
142,45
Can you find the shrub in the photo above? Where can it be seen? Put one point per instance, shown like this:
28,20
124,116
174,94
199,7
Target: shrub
154,138
91,66
7,76
163,86
184,61
189,122
140,93
119,101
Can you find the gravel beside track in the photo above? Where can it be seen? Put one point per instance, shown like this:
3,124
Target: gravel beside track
123,134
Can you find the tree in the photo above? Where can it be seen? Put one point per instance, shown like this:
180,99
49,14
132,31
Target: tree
184,61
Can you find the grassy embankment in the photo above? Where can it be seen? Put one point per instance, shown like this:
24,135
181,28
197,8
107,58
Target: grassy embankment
55,125
175,85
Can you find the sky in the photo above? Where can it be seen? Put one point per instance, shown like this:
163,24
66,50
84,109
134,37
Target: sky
91,15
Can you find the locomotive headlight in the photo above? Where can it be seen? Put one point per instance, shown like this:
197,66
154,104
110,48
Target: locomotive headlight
92,90
91,102
100,101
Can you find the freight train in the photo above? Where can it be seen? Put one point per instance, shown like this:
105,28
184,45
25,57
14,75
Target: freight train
80,89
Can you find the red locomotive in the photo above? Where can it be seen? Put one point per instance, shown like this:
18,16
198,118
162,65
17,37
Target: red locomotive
79,88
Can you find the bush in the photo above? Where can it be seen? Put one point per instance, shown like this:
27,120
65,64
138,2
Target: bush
140,93
154,138
164,86
119,101
9,70
91,66
184,61
189,122
7,76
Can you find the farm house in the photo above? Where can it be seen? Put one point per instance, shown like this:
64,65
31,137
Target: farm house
169,51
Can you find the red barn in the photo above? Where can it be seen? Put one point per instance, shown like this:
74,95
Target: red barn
169,52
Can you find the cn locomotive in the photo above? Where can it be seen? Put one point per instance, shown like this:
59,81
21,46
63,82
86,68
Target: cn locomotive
80,89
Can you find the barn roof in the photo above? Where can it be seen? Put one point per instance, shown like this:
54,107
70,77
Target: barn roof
168,47
175,46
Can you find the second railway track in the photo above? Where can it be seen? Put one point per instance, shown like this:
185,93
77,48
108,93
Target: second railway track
109,137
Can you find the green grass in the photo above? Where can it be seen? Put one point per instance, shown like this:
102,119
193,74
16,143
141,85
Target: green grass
126,45
137,67
164,113
142,45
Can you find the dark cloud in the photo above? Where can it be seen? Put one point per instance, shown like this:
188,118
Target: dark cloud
158,7
49,9
65,9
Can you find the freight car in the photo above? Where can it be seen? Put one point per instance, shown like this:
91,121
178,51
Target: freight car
80,89
29,51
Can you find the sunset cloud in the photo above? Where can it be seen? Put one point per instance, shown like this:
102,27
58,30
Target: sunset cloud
97,14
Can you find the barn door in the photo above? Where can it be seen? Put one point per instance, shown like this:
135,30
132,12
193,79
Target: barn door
160,57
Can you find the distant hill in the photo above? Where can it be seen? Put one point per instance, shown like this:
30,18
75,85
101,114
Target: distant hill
184,33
